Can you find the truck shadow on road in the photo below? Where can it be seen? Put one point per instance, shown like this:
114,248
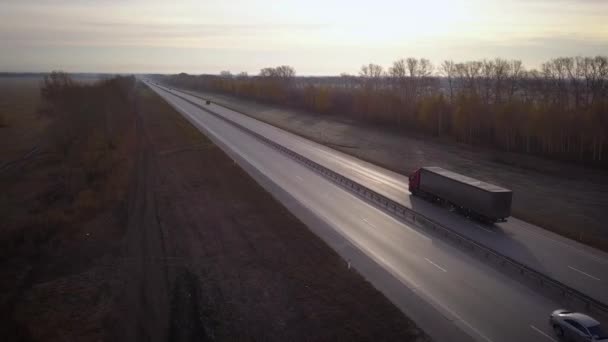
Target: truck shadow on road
502,242
489,235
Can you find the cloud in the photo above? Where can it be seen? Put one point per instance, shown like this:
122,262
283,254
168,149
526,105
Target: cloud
320,35
98,33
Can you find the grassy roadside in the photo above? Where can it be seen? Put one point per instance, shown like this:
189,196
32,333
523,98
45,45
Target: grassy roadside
63,208
253,270
132,225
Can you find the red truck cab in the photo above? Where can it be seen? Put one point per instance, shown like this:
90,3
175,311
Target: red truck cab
414,183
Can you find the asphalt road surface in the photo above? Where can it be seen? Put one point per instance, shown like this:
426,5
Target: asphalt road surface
449,293
574,264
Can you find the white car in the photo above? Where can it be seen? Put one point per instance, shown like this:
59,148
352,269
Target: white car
574,326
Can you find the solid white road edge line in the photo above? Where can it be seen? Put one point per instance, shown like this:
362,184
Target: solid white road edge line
581,272
434,264
367,222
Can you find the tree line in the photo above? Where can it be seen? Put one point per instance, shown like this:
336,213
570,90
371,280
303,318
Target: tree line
558,111
86,113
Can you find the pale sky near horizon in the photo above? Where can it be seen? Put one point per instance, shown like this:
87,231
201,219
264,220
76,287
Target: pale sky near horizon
317,37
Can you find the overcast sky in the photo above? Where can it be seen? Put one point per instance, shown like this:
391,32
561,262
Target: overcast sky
317,37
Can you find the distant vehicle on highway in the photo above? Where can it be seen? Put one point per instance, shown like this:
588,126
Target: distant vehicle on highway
208,102
574,326
474,198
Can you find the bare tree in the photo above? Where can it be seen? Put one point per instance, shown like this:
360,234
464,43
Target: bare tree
502,70
412,66
488,69
470,72
418,67
448,69
54,85
517,71
398,69
283,71
268,72
286,71
425,68
371,71
599,67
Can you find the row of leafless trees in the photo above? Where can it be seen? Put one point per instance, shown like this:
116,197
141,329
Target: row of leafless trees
83,111
559,111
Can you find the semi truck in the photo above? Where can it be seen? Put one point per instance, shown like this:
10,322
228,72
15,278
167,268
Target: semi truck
474,198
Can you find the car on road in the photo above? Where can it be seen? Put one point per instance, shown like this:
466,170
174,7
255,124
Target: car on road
574,326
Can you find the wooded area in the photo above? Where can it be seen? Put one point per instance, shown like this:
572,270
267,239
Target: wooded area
559,111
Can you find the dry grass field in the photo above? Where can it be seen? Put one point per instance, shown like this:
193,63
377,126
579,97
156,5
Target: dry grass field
140,228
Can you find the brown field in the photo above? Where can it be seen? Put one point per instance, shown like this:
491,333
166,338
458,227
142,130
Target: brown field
62,213
161,236
19,121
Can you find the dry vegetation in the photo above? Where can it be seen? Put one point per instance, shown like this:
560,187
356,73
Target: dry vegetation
559,111
20,124
63,204
128,224
237,265
534,131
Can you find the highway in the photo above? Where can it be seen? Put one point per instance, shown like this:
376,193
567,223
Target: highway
449,293
576,265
